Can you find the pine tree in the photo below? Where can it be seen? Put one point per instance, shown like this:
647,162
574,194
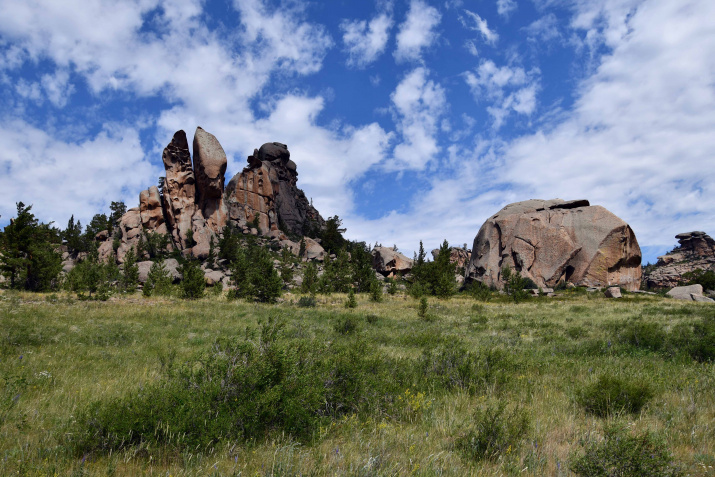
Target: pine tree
130,277
193,283
443,281
28,258
310,279
158,281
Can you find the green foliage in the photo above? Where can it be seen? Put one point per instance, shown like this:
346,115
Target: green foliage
610,395
625,455
700,277
361,263
337,274
190,242
229,244
307,302
423,307
118,210
351,302
454,367
301,251
442,279
332,235
375,291
480,291
158,280
642,334
27,256
494,432
433,278
514,284
73,237
156,244
286,266
346,324
193,283
264,383
391,286
130,277
253,275
93,277
310,279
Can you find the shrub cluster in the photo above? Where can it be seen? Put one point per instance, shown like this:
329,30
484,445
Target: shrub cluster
626,455
494,431
610,395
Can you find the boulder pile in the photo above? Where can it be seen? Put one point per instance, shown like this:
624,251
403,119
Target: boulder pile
555,241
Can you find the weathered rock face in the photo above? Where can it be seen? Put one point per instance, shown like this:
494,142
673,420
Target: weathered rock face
552,241
460,256
388,262
266,189
209,169
151,211
179,189
194,200
695,252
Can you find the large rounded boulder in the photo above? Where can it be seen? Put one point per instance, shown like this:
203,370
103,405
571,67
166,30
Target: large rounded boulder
554,241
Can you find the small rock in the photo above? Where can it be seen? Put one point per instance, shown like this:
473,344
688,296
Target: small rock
613,292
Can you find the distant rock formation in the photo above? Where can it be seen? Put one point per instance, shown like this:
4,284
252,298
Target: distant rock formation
553,241
389,262
696,251
193,206
459,256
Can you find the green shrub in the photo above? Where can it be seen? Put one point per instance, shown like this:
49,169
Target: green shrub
479,291
351,302
346,324
514,284
643,335
193,283
423,307
493,432
375,291
310,279
391,286
453,367
249,387
625,455
610,395
307,301
158,280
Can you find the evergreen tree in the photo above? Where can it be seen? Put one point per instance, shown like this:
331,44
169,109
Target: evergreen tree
118,210
361,264
301,251
130,277
266,284
351,301
286,269
158,281
376,291
28,258
442,280
228,244
310,279
193,283
332,236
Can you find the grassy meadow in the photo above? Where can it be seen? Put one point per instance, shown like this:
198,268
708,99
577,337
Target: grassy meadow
164,386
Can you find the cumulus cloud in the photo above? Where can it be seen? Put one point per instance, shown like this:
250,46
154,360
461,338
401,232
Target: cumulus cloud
509,89
418,104
640,138
364,41
417,32
543,30
62,178
474,22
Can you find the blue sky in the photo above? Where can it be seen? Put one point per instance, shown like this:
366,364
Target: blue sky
410,119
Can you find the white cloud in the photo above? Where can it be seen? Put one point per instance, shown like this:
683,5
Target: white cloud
63,178
417,31
418,105
471,48
640,138
508,88
544,29
505,7
364,41
476,23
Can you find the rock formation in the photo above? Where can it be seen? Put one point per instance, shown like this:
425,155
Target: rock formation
388,262
457,255
193,204
695,252
553,241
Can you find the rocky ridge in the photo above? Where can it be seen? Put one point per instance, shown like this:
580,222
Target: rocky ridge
193,206
696,251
